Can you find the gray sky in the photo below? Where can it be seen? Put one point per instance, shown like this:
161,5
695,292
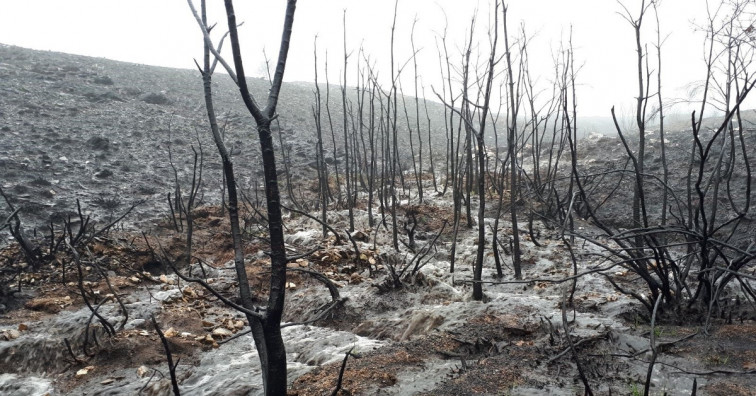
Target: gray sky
163,32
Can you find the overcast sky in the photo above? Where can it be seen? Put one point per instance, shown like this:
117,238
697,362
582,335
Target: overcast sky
163,32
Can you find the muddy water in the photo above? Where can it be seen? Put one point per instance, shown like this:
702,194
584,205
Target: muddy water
442,303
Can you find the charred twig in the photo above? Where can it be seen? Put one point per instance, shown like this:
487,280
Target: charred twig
575,355
108,327
322,278
168,356
424,252
336,299
357,253
343,368
114,293
116,221
173,214
655,352
18,234
7,221
85,345
305,214
256,314
324,311
235,336
289,259
70,351
154,371
575,345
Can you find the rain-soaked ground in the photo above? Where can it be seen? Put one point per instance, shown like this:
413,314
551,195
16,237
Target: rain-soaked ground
427,337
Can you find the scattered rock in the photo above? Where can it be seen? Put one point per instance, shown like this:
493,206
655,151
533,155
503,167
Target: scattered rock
99,143
155,98
84,371
189,292
104,174
207,340
22,327
101,97
142,371
168,296
11,334
222,332
171,332
103,80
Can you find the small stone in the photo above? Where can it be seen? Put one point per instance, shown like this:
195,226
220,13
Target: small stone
84,371
134,279
104,174
291,285
142,371
12,334
167,296
171,332
222,332
207,339
22,327
107,381
163,278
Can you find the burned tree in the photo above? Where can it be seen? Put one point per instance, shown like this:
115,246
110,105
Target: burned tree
264,321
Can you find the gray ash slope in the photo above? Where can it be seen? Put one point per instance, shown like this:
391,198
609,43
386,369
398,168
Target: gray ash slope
75,127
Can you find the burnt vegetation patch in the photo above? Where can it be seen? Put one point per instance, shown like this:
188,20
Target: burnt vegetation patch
477,243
